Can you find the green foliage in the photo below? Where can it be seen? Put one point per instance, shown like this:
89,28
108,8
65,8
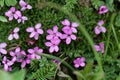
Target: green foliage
70,4
117,21
20,75
3,19
45,69
118,78
110,5
97,3
8,2
2,3
88,73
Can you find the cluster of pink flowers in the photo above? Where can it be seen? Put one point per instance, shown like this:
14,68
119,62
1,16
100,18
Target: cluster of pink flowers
55,37
69,29
19,56
98,29
13,13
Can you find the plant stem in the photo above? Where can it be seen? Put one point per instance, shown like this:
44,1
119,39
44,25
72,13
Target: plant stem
111,28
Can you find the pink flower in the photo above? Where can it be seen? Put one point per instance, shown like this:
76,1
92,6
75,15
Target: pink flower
72,25
103,9
10,13
99,28
24,59
24,5
16,54
68,35
68,29
79,62
99,47
53,44
35,31
2,46
14,34
7,64
22,19
20,56
34,53
53,33
17,14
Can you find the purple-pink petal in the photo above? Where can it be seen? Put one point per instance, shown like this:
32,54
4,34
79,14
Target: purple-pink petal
30,29
103,29
40,31
66,22
68,40
101,22
3,51
49,37
55,29
48,44
16,36
3,45
97,30
73,37
49,31
74,24
37,26
32,34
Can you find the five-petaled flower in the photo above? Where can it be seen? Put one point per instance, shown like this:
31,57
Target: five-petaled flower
72,25
79,62
99,28
14,34
35,31
34,53
53,33
53,44
11,13
99,47
68,35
